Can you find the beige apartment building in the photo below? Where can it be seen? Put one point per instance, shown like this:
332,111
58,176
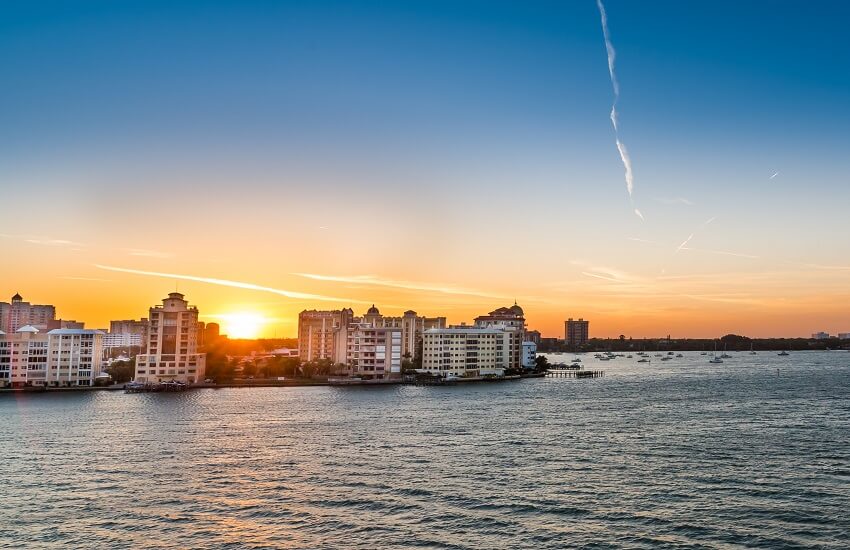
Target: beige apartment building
374,352
171,344
465,351
512,321
325,334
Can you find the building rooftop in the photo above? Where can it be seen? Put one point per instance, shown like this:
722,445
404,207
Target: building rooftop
73,331
464,330
27,328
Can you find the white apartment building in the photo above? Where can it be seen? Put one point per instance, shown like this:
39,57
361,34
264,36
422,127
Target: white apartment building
60,357
465,351
529,355
122,340
19,313
172,346
374,352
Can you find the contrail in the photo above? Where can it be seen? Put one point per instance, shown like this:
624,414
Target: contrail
685,243
234,284
773,176
621,148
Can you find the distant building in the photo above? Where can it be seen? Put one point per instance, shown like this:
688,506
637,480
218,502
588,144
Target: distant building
123,340
129,326
576,333
820,336
529,355
65,323
18,313
465,351
844,335
172,345
60,357
533,336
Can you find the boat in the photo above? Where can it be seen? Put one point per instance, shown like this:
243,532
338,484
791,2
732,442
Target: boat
644,361
715,359
725,355
629,356
751,350
666,358
783,353
679,355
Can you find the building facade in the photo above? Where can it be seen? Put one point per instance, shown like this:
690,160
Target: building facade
465,351
374,352
512,321
171,344
529,355
58,358
18,313
820,336
325,334
576,333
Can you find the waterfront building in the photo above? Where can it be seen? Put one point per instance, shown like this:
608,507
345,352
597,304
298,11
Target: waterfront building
374,352
533,336
529,355
18,313
512,321
466,351
844,335
171,344
322,335
576,333
57,358
325,334
820,336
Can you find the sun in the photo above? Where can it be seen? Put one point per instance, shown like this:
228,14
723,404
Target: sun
242,325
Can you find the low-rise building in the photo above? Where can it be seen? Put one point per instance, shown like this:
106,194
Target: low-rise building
58,358
844,335
820,336
529,355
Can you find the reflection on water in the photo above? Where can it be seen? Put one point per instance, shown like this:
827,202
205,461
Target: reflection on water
752,452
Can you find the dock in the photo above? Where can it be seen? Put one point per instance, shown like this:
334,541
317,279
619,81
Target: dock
152,387
574,373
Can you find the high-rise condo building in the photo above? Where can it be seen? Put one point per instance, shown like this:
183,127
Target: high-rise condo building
511,320
172,347
576,333
325,334
19,313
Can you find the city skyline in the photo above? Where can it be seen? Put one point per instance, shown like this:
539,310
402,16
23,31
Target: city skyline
441,157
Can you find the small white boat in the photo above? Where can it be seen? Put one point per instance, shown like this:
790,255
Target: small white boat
715,360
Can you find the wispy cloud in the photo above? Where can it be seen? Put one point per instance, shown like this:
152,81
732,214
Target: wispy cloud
615,85
144,253
406,285
675,200
722,252
234,284
43,241
93,279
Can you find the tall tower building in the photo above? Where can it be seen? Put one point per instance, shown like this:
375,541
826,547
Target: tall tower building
576,333
172,344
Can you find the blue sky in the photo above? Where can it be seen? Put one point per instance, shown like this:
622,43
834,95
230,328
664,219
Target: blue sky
380,110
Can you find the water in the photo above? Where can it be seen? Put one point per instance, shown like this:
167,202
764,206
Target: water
751,453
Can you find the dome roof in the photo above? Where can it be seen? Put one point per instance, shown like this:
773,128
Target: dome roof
516,309
373,311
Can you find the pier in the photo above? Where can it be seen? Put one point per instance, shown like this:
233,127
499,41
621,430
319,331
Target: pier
152,387
574,373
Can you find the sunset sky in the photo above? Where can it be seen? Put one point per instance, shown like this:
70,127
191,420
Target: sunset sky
443,156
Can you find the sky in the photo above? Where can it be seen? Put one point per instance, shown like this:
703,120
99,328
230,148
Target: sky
445,156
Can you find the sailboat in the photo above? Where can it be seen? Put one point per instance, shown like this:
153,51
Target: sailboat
751,350
725,355
715,359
